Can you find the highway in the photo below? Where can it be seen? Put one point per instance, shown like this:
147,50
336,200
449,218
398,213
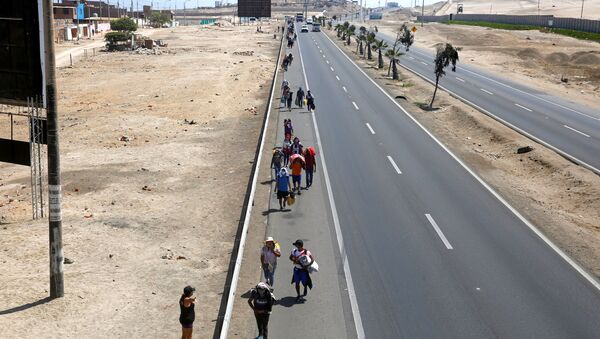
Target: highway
571,129
411,243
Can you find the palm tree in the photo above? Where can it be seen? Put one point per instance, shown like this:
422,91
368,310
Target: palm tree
362,39
406,37
394,55
338,29
444,57
370,40
380,46
346,27
351,32
358,42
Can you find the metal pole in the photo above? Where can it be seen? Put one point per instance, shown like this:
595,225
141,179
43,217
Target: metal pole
538,7
57,287
422,13
108,4
582,2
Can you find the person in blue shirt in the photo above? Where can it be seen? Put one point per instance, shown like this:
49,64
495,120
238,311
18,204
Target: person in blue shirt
283,187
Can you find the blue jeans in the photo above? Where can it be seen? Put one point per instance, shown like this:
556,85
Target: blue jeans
269,276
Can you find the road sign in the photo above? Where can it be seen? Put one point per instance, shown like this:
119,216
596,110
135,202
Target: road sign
414,29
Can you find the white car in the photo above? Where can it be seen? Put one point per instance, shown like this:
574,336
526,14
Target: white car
304,29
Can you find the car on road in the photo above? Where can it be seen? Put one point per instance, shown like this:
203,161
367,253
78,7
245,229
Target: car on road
309,21
304,29
316,27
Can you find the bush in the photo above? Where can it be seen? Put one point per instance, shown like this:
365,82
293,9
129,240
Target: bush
113,37
123,24
158,19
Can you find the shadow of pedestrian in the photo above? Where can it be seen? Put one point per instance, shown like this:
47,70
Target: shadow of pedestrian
25,307
287,302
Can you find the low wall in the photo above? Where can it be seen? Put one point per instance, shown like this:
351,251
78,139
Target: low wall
582,25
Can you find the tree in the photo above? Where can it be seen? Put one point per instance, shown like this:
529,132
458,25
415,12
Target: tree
444,57
362,38
345,27
338,30
407,38
394,55
158,19
334,18
123,24
370,40
329,25
380,46
350,32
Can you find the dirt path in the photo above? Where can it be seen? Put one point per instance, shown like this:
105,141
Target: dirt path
156,152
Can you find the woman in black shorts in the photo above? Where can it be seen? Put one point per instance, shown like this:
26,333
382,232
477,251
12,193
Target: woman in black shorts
187,316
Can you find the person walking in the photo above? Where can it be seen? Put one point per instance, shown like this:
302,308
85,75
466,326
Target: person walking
283,187
290,98
300,97
290,58
297,147
310,101
296,167
301,265
310,165
268,259
288,129
285,96
287,149
187,314
276,160
261,301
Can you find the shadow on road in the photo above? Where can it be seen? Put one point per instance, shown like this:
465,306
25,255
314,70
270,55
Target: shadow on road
288,301
25,307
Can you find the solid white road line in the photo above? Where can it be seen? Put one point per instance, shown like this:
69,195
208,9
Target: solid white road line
439,231
486,91
394,164
355,105
424,63
331,68
591,279
370,128
523,107
337,77
344,88
574,130
459,79
238,260
360,331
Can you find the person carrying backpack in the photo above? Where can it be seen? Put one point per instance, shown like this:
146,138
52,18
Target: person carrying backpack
261,301
283,187
288,129
310,101
297,146
302,259
276,160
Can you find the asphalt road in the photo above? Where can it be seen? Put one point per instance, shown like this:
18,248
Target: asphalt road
570,128
432,252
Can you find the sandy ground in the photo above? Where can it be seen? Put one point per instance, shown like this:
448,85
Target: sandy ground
145,217
534,58
559,8
560,198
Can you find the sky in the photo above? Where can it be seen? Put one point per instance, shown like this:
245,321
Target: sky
163,4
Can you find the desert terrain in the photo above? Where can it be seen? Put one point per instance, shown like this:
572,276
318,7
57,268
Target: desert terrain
156,150
559,8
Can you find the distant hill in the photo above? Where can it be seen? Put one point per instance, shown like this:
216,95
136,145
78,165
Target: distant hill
558,8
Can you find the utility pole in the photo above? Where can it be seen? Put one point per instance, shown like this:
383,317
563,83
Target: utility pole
538,7
582,2
57,286
108,4
422,13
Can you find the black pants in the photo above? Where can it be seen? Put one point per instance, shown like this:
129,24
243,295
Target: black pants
262,321
309,177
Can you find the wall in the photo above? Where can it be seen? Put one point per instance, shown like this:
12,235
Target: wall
582,25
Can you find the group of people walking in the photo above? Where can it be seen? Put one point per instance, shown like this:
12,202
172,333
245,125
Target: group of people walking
302,99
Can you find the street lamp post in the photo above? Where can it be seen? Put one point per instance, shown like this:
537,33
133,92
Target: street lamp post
582,2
